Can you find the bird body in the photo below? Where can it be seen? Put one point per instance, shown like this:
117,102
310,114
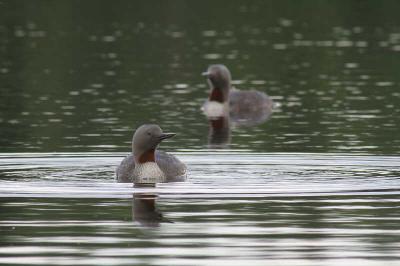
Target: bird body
215,109
250,106
166,168
146,164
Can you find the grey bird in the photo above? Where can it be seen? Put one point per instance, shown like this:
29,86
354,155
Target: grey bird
243,107
146,164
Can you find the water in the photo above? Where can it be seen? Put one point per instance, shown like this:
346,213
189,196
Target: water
316,184
73,84
235,209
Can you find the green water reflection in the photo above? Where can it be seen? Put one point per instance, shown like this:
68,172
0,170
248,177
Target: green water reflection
81,75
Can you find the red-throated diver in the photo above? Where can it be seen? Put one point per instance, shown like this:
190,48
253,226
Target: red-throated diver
244,107
146,164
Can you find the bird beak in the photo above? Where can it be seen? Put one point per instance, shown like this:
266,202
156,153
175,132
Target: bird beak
205,74
166,136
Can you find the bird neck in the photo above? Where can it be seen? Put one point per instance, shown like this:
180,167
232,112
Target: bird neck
218,95
147,156
146,169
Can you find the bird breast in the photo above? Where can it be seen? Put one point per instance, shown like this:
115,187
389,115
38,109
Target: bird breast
215,109
148,172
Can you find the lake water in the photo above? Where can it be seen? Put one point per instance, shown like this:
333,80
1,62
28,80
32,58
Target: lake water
236,208
318,183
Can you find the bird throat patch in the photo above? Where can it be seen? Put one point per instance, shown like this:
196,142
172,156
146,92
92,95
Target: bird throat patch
216,95
147,156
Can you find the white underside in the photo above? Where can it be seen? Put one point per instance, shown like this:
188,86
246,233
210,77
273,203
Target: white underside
148,173
214,109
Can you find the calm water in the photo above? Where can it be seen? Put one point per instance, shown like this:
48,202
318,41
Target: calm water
82,81
316,184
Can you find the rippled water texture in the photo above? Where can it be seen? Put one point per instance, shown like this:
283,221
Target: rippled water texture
82,81
235,209
318,183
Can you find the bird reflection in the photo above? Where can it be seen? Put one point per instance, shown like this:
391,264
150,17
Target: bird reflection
144,210
219,135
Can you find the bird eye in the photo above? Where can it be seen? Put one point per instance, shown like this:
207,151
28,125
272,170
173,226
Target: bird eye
148,134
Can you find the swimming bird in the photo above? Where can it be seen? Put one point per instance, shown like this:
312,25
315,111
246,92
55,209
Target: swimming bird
244,107
146,164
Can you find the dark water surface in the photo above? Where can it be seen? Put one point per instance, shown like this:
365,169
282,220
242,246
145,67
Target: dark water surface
81,76
316,184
